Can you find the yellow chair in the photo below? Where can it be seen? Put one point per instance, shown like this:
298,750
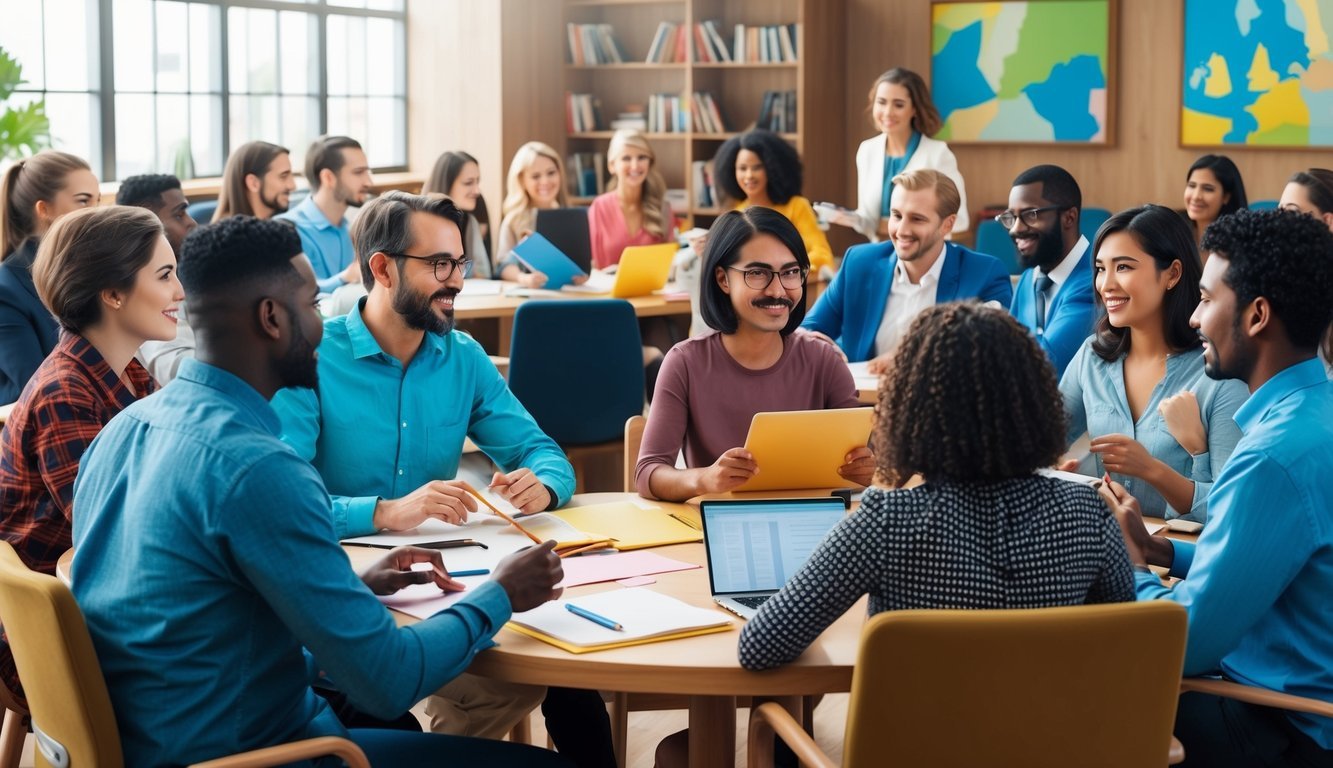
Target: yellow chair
1085,685
1250,694
71,710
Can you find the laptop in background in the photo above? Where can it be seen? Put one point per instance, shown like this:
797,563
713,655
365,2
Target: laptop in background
567,229
754,546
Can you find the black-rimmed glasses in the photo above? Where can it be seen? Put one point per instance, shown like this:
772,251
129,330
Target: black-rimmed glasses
443,266
759,278
1030,216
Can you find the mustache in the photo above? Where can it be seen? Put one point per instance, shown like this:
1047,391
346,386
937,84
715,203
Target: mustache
444,293
773,301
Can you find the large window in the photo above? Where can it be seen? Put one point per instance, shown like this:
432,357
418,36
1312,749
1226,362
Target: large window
191,79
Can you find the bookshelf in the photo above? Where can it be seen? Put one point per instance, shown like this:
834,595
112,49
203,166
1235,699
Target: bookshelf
737,88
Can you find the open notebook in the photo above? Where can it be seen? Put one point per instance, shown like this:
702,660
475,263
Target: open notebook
647,617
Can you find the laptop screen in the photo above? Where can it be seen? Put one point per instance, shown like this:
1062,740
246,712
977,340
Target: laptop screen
755,545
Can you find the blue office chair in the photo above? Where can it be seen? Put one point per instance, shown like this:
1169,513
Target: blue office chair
1263,205
577,366
993,239
202,211
1090,220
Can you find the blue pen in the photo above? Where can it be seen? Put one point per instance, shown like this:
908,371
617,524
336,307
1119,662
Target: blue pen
473,572
595,618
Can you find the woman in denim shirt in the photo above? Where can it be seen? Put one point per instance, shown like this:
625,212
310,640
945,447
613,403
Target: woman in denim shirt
1158,424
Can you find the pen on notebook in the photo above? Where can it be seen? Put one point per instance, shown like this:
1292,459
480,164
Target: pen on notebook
501,515
683,521
595,618
471,572
445,544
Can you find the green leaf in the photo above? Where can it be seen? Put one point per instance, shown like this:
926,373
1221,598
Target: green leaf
24,128
11,74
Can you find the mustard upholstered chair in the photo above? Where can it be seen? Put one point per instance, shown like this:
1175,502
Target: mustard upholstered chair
1085,685
71,710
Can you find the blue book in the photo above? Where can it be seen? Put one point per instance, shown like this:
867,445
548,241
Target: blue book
539,255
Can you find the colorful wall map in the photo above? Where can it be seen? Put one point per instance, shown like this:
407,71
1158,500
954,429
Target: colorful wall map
1258,72
1021,71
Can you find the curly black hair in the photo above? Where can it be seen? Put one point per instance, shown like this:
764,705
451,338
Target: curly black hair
222,259
1285,257
145,190
971,398
782,165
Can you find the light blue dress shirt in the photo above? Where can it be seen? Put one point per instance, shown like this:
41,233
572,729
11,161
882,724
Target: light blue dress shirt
1259,582
205,560
377,430
327,245
1095,400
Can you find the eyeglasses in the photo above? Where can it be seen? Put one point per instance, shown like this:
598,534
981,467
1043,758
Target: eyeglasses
1030,216
759,278
443,266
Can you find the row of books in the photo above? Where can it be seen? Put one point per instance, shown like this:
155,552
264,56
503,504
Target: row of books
593,44
777,112
668,113
668,44
705,193
582,112
772,43
584,176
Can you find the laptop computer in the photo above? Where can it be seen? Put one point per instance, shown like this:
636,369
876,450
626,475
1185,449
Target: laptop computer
803,449
567,229
754,546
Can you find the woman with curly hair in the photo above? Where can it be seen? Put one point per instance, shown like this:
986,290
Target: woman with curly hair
971,407
760,168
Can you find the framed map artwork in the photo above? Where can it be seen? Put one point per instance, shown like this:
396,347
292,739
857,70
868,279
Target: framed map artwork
1257,73
1024,71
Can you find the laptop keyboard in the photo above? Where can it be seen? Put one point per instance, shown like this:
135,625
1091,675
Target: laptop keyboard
752,602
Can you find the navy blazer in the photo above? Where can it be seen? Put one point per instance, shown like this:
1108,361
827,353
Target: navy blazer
28,332
1069,317
853,306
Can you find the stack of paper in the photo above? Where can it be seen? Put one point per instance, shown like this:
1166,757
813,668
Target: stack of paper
646,616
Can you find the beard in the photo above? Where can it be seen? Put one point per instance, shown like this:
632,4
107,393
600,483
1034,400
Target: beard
272,203
1050,250
1241,363
348,196
416,310
299,367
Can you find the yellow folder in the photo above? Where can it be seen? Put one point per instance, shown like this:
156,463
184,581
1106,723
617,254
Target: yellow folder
558,643
803,449
632,526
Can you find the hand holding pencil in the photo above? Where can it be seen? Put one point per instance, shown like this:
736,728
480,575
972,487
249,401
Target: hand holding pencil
522,489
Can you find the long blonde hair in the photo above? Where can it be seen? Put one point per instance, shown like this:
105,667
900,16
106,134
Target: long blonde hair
654,187
516,197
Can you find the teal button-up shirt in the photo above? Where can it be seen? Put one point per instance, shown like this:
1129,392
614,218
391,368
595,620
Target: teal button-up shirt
1257,585
378,430
205,561
327,245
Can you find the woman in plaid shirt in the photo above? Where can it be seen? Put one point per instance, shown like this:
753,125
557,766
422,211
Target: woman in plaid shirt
109,277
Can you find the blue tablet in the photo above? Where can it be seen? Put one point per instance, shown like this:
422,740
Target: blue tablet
538,254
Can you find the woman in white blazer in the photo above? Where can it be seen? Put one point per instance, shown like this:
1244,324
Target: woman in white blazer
901,107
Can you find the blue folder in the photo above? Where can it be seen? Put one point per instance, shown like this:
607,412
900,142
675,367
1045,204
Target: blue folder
538,254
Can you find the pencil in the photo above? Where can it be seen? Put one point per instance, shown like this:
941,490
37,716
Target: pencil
586,547
500,514
683,521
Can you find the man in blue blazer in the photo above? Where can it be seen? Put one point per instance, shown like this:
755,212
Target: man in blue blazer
1054,294
881,287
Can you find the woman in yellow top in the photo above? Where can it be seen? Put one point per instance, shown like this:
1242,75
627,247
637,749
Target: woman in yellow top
760,168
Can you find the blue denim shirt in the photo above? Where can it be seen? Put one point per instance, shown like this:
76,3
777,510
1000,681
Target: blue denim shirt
1095,400
205,561
1257,583
379,430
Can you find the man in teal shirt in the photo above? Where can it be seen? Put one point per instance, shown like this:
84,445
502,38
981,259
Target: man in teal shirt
205,558
339,177
1257,586
399,392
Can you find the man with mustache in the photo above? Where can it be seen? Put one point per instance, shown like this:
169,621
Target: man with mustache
1054,296
1256,584
339,177
881,287
398,394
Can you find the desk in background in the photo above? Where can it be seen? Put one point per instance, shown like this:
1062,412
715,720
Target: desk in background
501,308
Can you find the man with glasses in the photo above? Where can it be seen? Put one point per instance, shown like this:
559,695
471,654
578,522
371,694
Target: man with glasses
1054,295
398,394
881,287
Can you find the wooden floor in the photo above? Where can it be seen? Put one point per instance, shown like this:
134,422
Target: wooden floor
647,728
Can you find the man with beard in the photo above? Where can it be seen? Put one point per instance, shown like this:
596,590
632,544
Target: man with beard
339,177
257,181
1054,295
399,392
1257,582
206,556
881,287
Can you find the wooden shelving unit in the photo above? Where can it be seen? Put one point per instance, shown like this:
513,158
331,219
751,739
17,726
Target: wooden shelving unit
737,88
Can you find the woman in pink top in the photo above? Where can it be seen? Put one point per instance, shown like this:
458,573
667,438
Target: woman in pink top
634,210
710,386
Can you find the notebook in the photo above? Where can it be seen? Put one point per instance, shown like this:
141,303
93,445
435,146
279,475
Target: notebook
567,229
647,617
754,546
540,255
803,449
642,270
632,526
